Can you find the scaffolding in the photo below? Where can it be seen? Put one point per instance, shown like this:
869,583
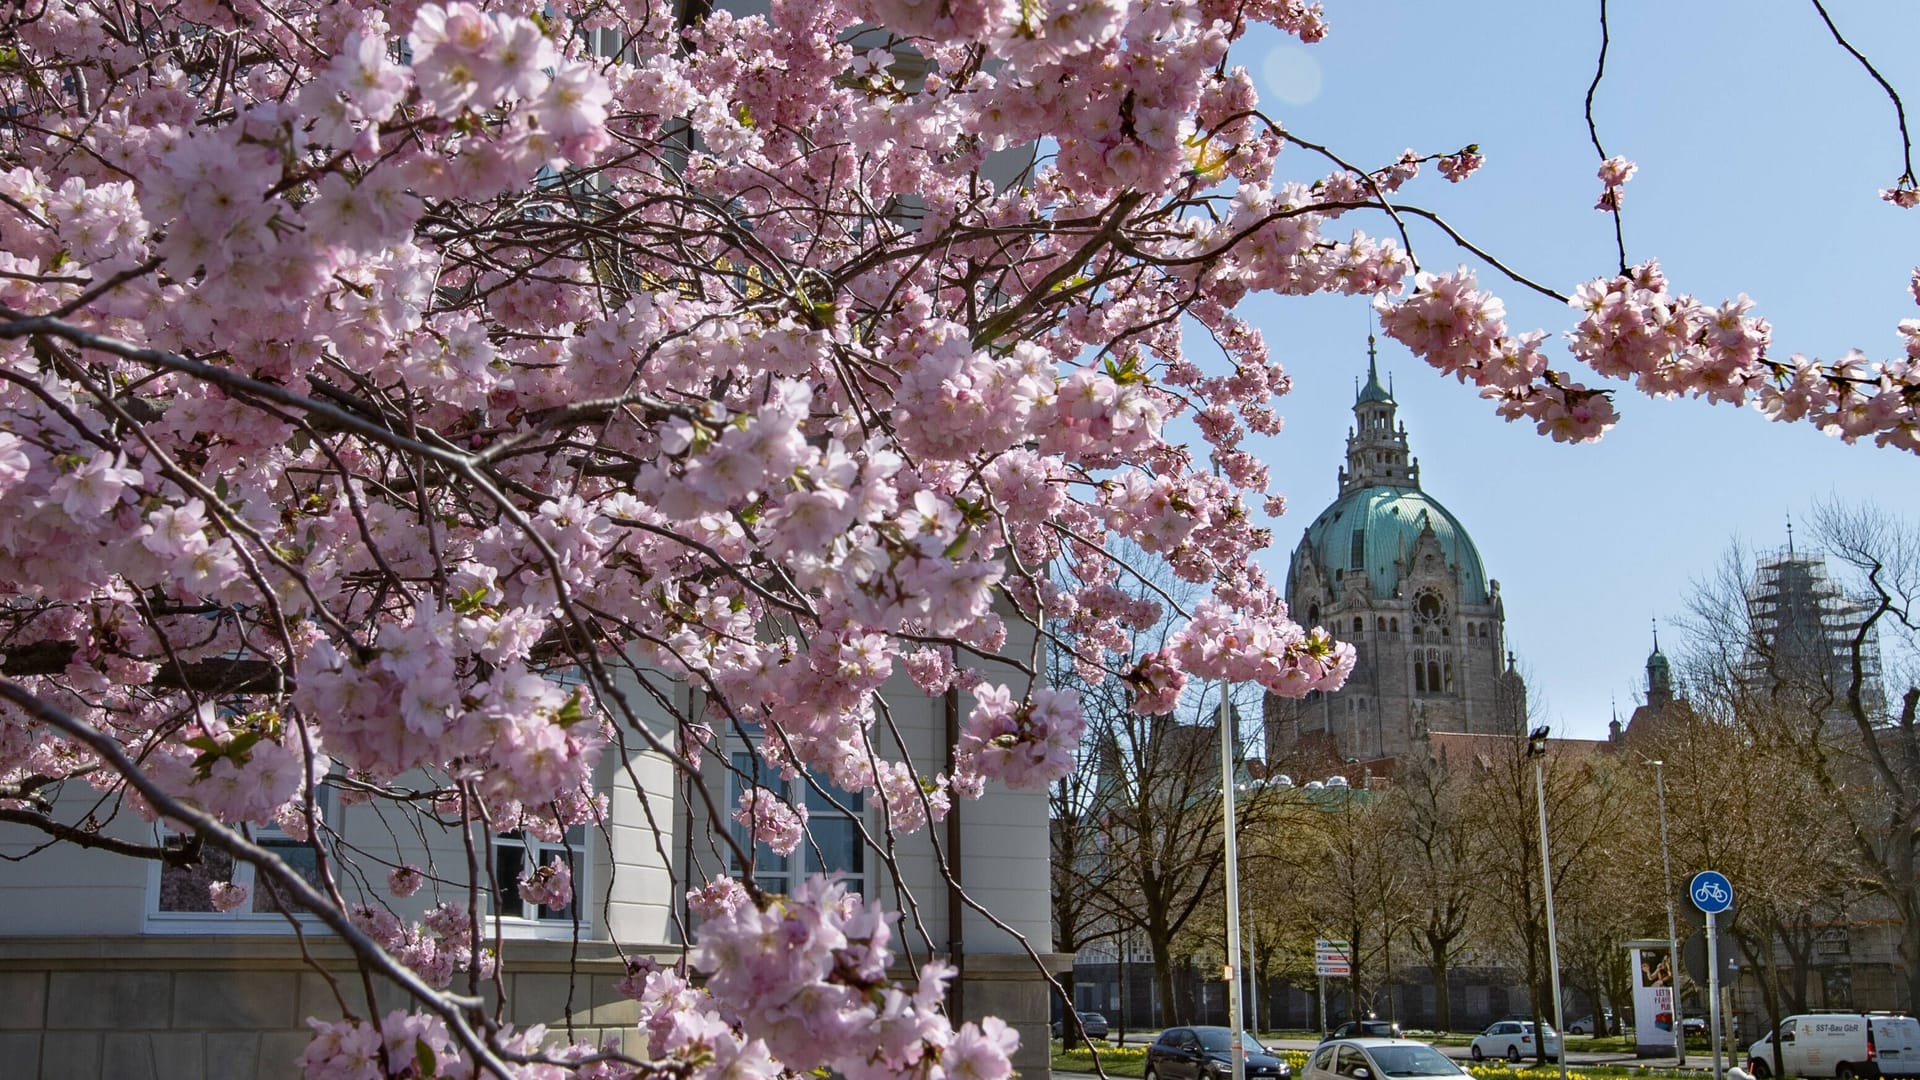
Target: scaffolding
1802,629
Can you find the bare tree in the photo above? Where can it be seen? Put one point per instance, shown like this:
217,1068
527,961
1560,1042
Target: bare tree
1584,808
1442,894
1077,840
1802,660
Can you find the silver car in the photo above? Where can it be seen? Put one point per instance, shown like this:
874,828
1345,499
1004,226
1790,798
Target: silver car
1378,1059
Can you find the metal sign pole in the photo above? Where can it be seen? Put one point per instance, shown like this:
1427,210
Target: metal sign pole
1253,979
1713,989
1323,1005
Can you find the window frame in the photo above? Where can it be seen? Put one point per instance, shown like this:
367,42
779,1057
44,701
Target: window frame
575,848
243,920
799,791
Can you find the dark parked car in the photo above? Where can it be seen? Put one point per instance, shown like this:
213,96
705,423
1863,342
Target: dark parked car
1095,1024
1364,1029
1205,1053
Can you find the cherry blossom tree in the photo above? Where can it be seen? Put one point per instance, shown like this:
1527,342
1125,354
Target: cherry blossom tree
366,368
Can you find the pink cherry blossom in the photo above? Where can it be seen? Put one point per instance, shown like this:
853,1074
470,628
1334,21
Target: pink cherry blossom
405,880
771,820
420,410
227,896
550,885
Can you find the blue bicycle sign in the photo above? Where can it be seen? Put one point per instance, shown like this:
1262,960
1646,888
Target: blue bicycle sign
1712,892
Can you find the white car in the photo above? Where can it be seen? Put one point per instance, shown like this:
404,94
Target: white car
1379,1059
1513,1040
1844,1045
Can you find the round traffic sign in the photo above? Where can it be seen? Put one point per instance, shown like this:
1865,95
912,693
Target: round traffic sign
1711,891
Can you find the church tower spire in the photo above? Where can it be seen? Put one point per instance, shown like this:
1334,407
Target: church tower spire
1659,674
1376,448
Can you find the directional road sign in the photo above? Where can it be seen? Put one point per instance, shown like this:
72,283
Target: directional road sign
1330,958
1711,891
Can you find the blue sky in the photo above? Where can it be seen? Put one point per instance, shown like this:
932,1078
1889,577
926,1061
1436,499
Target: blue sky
1762,147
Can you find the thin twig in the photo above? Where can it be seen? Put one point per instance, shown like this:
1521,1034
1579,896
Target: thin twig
1899,109
1593,130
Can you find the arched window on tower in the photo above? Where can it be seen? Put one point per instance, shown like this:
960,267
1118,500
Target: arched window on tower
1359,624
1433,672
1379,622
1449,682
1419,677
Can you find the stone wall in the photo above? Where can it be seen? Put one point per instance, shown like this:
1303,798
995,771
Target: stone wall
233,1007
187,1007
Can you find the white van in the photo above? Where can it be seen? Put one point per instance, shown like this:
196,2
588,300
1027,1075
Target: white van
1842,1045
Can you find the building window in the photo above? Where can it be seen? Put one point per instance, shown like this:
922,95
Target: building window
1357,557
517,854
833,845
179,898
1359,624
1419,678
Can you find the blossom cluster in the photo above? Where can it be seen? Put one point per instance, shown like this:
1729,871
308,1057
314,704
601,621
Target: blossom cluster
806,976
394,394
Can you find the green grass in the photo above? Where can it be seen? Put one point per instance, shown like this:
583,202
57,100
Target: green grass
1130,1061
1114,1060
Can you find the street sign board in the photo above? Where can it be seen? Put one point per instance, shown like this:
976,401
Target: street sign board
1711,891
1330,958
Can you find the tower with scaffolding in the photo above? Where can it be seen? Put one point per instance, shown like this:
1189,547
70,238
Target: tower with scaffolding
1809,641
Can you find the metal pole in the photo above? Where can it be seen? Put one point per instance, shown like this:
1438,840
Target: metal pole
1227,741
1323,1005
1673,937
1253,979
1713,990
1553,939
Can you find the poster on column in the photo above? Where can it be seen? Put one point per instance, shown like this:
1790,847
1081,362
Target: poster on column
1653,1013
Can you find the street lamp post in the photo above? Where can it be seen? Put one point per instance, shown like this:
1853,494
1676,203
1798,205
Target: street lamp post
1537,750
1673,937
1237,1044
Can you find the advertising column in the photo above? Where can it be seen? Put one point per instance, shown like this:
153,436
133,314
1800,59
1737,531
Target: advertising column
1655,1025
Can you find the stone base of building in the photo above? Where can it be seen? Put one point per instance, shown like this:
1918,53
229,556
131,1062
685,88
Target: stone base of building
235,1007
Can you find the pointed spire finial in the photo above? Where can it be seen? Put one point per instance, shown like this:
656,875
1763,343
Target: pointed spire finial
1656,633
1373,391
1789,534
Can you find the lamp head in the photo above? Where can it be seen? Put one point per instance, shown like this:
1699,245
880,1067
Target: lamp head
1537,741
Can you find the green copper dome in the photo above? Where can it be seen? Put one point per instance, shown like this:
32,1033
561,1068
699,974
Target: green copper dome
1386,521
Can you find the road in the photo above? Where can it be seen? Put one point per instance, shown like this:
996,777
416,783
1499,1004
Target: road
1460,1053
